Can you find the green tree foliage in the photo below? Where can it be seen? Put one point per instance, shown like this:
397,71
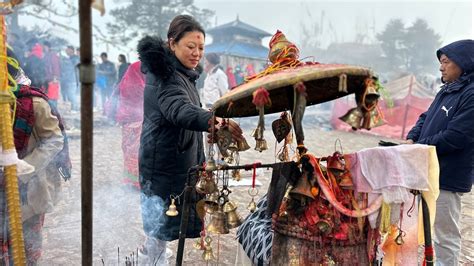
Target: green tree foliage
392,43
421,43
409,49
139,17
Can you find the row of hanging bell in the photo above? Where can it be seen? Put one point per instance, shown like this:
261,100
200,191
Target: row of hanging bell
225,218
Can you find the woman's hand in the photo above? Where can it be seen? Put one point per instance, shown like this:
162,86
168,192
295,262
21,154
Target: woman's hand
232,126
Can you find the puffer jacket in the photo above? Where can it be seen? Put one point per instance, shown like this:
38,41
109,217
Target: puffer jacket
171,139
448,124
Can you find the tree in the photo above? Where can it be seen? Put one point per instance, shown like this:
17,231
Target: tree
392,42
409,49
421,43
152,17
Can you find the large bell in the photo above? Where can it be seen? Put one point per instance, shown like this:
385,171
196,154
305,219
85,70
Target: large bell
211,203
233,218
353,117
302,191
218,224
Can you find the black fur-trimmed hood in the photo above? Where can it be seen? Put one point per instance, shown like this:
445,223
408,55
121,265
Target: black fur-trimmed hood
156,57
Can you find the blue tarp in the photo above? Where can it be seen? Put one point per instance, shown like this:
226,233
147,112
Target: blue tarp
239,49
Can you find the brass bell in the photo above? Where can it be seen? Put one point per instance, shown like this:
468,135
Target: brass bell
210,164
252,207
345,181
207,255
353,117
198,244
218,224
302,190
242,145
236,175
261,145
375,119
325,226
172,209
336,164
371,93
211,203
206,185
233,218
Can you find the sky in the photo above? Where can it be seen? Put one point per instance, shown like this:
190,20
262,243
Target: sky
341,20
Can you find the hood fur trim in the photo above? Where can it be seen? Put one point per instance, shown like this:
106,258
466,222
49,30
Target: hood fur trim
156,57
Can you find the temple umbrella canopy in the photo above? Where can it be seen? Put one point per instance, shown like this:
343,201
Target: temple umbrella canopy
324,82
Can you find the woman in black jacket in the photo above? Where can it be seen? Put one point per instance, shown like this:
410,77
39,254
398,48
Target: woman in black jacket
171,140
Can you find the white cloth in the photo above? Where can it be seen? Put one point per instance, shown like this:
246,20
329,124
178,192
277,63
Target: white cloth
393,171
215,86
8,157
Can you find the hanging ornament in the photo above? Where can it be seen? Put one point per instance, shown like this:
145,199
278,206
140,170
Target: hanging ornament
297,115
253,191
261,98
281,127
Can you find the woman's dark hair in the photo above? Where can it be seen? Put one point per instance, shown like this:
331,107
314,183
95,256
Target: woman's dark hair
182,24
123,57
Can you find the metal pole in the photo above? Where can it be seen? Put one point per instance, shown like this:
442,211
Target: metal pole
427,232
87,76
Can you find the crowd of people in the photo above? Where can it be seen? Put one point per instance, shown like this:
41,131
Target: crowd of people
56,71
163,116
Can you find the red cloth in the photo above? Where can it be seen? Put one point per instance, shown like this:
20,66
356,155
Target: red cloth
52,64
230,77
53,90
131,87
37,50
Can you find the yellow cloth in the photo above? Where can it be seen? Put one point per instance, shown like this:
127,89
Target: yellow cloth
431,195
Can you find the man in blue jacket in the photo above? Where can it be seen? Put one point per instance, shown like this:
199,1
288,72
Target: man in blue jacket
449,125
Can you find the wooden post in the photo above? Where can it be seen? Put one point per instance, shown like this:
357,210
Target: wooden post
87,78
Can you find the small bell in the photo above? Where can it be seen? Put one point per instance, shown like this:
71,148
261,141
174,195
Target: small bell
242,145
233,218
198,244
211,165
345,182
371,93
336,163
207,255
261,145
236,175
252,207
172,209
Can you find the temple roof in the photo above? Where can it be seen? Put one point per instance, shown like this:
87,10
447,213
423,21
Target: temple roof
235,48
238,27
